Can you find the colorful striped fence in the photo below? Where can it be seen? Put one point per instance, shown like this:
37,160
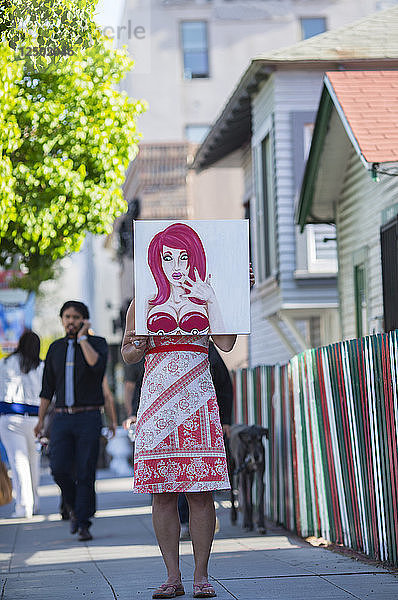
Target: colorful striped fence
332,453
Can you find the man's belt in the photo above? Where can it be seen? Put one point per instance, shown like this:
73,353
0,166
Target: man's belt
70,410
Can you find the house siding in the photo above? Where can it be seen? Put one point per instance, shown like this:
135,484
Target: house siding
294,91
281,95
265,344
266,347
358,219
247,165
263,104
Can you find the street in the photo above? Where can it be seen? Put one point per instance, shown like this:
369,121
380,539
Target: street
40,559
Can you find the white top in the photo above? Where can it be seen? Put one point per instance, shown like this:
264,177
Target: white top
18,387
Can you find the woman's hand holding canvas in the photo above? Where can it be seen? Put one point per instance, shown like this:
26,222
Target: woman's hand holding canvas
133,346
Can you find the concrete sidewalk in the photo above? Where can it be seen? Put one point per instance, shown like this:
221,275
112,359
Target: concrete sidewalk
40,560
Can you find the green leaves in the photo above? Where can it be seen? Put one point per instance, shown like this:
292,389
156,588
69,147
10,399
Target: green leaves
44,32
10,134
66,139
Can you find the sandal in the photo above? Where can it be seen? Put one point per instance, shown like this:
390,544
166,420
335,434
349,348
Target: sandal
169,590
203,590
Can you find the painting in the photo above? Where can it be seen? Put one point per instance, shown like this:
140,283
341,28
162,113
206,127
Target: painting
191,277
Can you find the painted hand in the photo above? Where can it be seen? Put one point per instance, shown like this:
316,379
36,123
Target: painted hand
200,289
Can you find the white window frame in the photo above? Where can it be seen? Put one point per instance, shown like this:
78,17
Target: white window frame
314,264
361,258
257,207
187,75
306,258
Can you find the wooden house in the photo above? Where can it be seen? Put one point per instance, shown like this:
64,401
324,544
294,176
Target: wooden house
351,180
266,125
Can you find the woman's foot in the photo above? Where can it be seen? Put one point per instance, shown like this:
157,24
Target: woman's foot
203,590
169,590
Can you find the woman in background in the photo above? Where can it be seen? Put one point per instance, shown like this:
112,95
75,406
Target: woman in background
20,383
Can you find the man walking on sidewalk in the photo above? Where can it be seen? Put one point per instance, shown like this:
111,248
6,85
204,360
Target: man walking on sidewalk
74,370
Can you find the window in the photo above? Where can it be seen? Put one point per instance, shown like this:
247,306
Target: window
360,299
195,49
196,133
316,248
316,251
265,174
321,248
302,130
264,209
311,26
246,207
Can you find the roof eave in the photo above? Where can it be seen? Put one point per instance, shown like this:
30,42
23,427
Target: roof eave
346,125
328,100
260,69
239,101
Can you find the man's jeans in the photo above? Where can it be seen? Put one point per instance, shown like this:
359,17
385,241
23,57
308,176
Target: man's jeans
74,446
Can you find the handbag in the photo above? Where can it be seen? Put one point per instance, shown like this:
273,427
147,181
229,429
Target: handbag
5,485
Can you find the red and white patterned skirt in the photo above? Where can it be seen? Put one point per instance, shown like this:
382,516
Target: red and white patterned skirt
179,444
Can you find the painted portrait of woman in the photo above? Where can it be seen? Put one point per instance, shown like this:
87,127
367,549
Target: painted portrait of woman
185,302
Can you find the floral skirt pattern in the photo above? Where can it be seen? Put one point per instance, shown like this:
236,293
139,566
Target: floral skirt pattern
179,443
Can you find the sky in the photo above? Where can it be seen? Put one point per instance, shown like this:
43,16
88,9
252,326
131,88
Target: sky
108,16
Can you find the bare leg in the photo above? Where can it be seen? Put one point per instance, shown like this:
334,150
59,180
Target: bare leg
202,521
167,529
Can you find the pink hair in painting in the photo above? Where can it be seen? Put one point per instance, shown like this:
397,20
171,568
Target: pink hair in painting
180,237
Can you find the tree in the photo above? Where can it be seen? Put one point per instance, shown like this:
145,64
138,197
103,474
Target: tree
43,31
77,137
9,132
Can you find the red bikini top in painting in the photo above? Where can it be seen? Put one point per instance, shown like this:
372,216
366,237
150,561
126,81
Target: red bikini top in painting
165,323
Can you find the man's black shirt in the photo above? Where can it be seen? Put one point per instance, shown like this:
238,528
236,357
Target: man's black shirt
87,380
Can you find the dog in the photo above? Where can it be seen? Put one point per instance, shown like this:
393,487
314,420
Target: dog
246,460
